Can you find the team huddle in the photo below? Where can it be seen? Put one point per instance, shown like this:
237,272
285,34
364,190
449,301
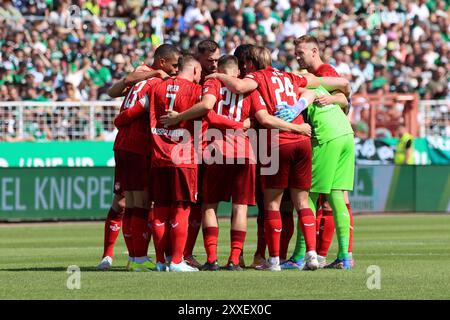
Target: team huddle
195,130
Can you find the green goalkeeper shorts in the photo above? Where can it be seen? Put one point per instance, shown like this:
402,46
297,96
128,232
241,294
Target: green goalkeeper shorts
333,165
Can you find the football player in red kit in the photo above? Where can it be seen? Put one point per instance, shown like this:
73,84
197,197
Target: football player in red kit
131,153
217,96
277,88
174,165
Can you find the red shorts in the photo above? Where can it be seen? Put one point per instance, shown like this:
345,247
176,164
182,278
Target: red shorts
131,172
173,184
295,165
225,182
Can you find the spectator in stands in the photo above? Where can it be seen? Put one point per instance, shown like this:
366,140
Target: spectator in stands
395,46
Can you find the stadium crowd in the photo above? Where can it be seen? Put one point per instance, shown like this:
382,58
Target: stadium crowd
74,50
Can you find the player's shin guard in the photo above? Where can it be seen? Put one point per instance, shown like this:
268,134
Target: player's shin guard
179,231
127,231
195,220
272,231
352,228
308,226
113,223
139,231
237,244
160,220
210,237
341,222
326,233
287,220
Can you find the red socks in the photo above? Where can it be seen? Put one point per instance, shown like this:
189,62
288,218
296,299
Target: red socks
352,224
261,244
237,244
178,234
308,225
113,223
319,215
160,220
272,231
210,236
287,219
127,232
139,231
195,220
326,233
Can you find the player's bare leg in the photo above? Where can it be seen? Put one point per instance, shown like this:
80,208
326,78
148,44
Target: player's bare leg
237,235
272,226
210,236
113,223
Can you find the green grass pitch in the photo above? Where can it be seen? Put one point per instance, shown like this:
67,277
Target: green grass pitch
411,251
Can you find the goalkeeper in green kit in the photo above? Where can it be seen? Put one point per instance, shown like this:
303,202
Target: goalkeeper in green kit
333,166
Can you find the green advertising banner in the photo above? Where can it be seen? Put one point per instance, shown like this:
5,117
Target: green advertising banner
432,150
55,193
57,154
33,194
389,188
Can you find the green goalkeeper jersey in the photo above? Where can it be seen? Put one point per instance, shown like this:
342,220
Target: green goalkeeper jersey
329,122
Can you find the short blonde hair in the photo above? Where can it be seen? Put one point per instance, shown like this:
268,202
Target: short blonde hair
260,57
307,39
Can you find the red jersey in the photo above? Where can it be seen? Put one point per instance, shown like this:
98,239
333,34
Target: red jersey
276,88
237,108
326,70
175,94
134,132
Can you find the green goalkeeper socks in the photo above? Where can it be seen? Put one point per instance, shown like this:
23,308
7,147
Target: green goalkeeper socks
341,222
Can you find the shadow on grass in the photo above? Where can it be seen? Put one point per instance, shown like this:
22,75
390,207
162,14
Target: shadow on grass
51,269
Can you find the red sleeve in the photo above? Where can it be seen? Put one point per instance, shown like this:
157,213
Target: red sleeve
221,122
128,116
141,105
257,103
212,86
326,70
255,76
299,81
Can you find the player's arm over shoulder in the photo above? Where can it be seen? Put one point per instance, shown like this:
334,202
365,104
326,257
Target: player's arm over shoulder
236,85
338,97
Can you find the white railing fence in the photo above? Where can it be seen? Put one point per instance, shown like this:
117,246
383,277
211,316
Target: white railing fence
434,118
43,121
93,120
